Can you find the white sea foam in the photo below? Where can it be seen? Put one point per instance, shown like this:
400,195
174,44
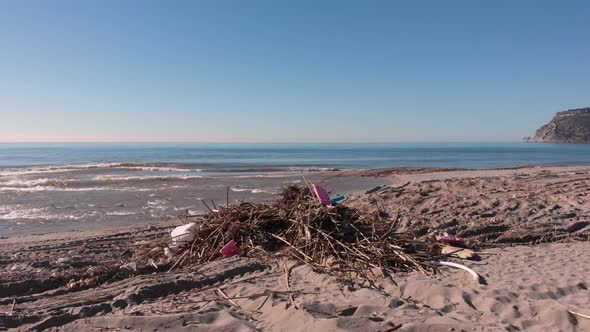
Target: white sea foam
265,175
254,190
240,189
80,167
313,169
19,212
18,183
158,204
46,188
110,178
119,213
101,182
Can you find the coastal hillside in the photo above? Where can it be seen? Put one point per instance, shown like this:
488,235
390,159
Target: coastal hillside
572,126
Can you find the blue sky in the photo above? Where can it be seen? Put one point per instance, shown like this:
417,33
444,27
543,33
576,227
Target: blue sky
289,71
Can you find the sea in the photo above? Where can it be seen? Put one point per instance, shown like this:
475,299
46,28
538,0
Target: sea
54,187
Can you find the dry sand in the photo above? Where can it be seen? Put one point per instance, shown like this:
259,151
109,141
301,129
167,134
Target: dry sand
526,287
493,207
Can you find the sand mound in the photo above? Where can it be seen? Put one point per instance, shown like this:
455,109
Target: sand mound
533,207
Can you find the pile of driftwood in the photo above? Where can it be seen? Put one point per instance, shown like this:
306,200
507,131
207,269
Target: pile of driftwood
333,239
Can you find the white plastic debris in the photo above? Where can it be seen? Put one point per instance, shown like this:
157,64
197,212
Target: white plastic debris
62,260
20,266
141,243
182,235
458,266
132,266
168,253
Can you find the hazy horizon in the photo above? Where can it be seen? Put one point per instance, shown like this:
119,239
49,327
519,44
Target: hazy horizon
266,72
257,142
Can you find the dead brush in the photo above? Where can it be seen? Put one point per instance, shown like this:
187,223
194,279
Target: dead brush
338,240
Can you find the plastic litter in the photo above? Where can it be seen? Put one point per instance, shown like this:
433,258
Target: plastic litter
62,260
458,266
338,199
458,252
449,239
182,235
230,249
18,267
322,195
132,266
168,253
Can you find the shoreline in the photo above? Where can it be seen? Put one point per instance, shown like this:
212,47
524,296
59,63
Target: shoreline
349,182
57,211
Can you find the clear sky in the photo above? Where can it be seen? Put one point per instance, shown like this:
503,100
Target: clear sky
288,71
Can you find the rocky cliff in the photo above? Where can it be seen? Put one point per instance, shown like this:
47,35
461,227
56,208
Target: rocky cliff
572,126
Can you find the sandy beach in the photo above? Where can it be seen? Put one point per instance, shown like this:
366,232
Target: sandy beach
305,166
529,226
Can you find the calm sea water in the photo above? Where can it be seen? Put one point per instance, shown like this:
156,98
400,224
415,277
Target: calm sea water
53,187
239,156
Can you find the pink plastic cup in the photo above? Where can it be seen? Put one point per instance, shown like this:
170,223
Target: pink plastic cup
230,249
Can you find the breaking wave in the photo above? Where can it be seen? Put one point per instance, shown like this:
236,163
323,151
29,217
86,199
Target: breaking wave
155,167
32,213
256,190
101,182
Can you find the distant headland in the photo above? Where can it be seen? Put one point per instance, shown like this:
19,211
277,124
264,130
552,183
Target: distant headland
571,126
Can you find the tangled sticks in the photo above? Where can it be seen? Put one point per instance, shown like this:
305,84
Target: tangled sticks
332,239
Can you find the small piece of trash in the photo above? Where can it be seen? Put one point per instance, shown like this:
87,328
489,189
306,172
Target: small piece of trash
230,249
449,239
338,199
132,266
182,235
18,267
168,253
322,195
81,283
463,253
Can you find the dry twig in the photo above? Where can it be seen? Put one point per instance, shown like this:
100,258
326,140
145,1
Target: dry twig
339,240
289,287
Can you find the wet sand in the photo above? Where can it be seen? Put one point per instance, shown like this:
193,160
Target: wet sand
63,210
529,225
